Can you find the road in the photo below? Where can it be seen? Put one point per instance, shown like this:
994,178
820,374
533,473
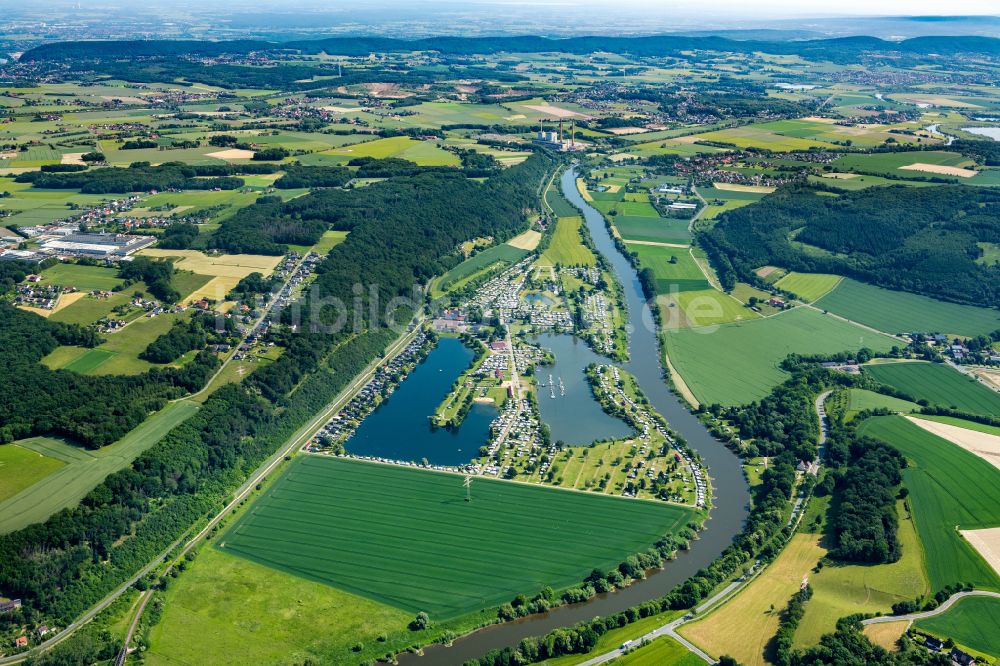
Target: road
824,432
883,619
297,440
670,629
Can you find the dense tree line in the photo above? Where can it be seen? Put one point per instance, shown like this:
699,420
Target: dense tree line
864,520
182,337
986,152
297,176
178,236
157,274
95,411
141,176
922,240
781,645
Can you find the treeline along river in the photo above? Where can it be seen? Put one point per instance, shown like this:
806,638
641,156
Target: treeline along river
730,494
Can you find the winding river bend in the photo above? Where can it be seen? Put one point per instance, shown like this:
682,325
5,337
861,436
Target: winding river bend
730,499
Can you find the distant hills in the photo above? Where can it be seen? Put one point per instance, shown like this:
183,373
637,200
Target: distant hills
840,49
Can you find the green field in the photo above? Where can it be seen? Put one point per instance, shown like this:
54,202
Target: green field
226,609
736,363
567,248
662,651
950,489
342,523
890,163
973,622
89,361
498,254
656,229
808,286
903,312
84,278
21,467
674,268
840,590
939,385
84,469
861,399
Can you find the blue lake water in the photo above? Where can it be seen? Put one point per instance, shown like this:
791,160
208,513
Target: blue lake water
573,415
399,428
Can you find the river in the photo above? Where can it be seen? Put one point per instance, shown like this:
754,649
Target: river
730,494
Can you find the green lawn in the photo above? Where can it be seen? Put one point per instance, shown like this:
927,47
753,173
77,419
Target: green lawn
737,363
328,241
84,469
409,539
890,163
566,247
808,286
903,312
950,489
21,467
650,228
974,622
938,384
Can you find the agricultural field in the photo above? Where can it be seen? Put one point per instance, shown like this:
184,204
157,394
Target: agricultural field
358,547
939,385
424,153
893,163
566,247
903,312
963,423
973,622
675,269
808,286
21,467
743,625
720,200
762,136
840,590
703,307
218,274
950,489
738,362
612,639
84,469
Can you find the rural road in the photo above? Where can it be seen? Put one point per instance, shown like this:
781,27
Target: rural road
301,436
824,431
931,613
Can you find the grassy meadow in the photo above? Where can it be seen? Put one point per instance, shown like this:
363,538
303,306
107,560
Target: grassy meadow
21,467
973,622
83,468
566,247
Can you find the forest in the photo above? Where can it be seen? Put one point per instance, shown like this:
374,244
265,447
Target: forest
921,240
94,411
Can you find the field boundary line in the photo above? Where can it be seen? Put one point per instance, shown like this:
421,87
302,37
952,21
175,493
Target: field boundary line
923,615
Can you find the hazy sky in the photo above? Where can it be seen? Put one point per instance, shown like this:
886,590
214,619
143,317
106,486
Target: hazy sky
786,8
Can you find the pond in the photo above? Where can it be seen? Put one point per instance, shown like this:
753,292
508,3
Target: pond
565,400
399,428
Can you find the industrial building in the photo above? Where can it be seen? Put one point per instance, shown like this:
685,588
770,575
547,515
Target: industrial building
98,245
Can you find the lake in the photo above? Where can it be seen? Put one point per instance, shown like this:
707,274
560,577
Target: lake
990,132
399,428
